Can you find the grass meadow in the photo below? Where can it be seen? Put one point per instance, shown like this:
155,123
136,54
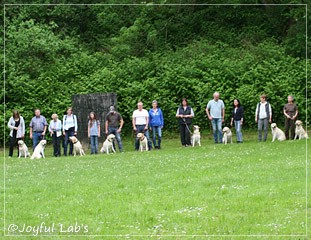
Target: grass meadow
234,191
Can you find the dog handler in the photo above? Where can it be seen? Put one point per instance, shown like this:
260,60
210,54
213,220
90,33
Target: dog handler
70,128
113,125
140,123
17,126
290,111
185,114
263,116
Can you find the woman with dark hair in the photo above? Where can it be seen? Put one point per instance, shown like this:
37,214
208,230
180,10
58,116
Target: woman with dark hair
237,118
185,114
17,126
93,132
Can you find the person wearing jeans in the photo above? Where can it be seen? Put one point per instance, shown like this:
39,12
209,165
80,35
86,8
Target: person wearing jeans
55,129
113,125
156,123
263,116
140,121
215,111
93,132
38,126
237,119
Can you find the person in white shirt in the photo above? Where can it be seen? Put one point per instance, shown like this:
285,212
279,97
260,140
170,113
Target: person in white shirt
263,116
140,121
70,128
55,129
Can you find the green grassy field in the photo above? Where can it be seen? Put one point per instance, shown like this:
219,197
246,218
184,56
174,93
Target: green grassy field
237,191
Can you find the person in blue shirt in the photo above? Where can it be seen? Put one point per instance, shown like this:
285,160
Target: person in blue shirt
38,126
156,123
93,132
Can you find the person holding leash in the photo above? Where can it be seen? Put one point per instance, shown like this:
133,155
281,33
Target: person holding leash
185,114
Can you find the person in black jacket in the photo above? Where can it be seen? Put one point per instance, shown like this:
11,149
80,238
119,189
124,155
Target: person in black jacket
237,119
185,114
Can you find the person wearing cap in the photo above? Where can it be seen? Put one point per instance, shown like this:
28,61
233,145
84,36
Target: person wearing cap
113,125
55,129
185,114
140,121
156,123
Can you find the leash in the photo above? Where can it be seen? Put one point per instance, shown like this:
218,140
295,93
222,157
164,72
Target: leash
187,126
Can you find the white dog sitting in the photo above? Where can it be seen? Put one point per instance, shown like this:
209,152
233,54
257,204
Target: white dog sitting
23,149
277,133
299,131
143,142
227,135
39,150
77,146
108,144
196,136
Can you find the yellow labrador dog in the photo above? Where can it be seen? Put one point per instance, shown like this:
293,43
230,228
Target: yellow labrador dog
277,133
39,150
143,142
108,144
227,135
23,149
196,136
77,146
300,133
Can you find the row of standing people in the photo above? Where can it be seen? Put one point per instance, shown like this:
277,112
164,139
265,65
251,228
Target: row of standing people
215,111
154,120
68,127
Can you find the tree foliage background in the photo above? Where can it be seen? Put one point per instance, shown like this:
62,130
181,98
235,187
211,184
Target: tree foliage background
161,50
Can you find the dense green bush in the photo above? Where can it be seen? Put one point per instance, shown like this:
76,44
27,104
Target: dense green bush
167,54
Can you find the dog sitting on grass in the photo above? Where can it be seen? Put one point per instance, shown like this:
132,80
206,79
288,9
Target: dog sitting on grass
300,133
277,133
39,150
77,146
143,142
108,144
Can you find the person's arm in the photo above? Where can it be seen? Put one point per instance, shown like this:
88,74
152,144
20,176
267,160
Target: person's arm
64,123
270,110
256,113
296,114
191,114
177,114
76,124
134,122
121,125
98,128
147,122
88,130
50,127
242,115
11,127
106,126
208,114
30,130
22,127
223,114
162,119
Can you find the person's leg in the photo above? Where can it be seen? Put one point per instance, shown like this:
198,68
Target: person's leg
71,133
54,141
266,126
96,144
182,134
159,137
66,141
292,129
187,135
148,139
92,139
219,129
260,124
119,140
58,140
12,144
287,128
139,129
35,139
154,140
214,130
